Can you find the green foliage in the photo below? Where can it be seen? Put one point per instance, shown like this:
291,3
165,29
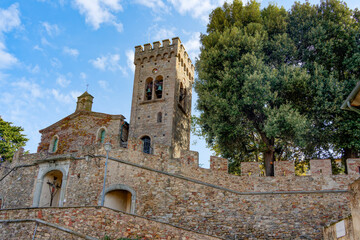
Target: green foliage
247,106
11,139
271,82
327,42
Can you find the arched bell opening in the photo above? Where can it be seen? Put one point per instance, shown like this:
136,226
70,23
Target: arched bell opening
158,87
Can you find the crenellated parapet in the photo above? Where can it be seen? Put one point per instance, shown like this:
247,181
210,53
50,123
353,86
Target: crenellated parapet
165,51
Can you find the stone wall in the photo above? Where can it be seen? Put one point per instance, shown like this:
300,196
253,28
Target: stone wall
355,206
177,191
330,232
82,128
95,222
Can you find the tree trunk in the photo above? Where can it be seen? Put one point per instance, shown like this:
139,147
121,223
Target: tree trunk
350,153
269,162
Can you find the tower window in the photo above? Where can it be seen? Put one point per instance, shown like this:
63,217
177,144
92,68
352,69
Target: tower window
146,144
149,89
158,87
159,117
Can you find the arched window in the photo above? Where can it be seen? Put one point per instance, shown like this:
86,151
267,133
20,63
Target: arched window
158,87
182,95
146,144
159,117
54,144
148,89
101,136
51,188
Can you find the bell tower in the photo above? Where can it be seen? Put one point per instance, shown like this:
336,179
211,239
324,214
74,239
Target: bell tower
161,101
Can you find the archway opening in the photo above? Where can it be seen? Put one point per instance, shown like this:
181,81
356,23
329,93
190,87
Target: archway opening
118,200
51,188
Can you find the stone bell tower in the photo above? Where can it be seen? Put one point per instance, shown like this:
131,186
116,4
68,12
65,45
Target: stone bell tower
84,102
161,102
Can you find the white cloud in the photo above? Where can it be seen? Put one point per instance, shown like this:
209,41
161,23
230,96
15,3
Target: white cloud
7,60
35,69
83,75
103,84
45,42
9,18
161,33
63,98
51,29
155,5
192,46
98,12
55,63
69,98
130,59
63,81
36,47
33,88
196,8
108,62
71,51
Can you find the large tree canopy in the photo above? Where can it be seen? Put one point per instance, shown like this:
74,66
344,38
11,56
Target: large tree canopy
269,86
11,139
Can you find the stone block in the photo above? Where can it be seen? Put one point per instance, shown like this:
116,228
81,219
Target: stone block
251,169
320,167
218,164
190,158
284,168
353,166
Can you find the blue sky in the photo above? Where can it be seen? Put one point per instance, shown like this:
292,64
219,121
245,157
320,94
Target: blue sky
51,49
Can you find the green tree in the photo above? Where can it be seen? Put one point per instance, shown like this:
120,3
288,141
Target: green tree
327,40
11,139
249,91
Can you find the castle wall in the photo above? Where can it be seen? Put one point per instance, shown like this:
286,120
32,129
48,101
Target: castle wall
210,201
96,222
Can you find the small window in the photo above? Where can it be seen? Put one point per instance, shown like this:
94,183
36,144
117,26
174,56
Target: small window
159,117
359,169
102,136
54,144
146,144
148,89
1,203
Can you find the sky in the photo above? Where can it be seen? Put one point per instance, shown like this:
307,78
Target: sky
51,51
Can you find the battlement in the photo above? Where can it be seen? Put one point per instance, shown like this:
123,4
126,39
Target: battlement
166,50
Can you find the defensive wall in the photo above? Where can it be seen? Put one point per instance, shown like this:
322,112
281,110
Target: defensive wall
86,223
179,192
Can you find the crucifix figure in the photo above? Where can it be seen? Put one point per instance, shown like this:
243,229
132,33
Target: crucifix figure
53,188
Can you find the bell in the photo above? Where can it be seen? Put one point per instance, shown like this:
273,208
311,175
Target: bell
159,88
148,90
